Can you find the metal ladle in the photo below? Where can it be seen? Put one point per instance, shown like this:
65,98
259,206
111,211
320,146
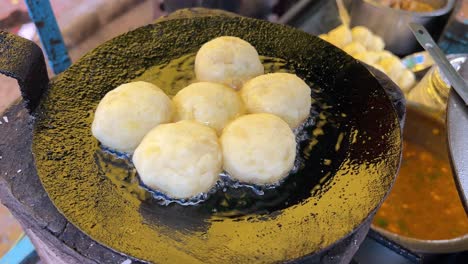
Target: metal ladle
457,111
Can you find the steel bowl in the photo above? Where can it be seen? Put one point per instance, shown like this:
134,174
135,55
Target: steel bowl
420,122
392,24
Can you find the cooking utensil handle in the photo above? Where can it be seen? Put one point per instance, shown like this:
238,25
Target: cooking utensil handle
425,39
23,60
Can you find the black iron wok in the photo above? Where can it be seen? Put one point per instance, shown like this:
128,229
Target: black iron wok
349,161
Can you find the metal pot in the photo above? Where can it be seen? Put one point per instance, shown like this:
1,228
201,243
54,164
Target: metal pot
420,122
322,212
392,24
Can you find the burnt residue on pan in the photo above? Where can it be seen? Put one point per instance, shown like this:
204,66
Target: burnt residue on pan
351,157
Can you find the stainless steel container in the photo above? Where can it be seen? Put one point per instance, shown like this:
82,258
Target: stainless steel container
392,24
433,90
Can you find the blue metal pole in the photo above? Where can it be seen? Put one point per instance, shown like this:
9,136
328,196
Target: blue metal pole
42,15
21,251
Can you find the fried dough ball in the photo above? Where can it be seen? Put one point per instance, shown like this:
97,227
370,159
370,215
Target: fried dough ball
258,148
228,60
384,54
406,80
369,57
281,94
180,159
376,44
354,48
127,113
370,41
392,67
340,36
324,37
212,104
361,34
378,67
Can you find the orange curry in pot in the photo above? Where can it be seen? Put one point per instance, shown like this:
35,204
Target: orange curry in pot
424,202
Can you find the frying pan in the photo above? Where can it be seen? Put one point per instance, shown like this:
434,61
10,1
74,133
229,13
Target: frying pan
348,161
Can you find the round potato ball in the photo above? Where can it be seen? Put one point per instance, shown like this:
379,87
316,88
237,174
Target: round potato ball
228,60
361,34
258,149
180,159
323,36
127,113
376,44
212,104
393,67
281,94
369,57
378,67
406,80
370,41
354,48
385,54
340,36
